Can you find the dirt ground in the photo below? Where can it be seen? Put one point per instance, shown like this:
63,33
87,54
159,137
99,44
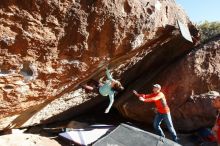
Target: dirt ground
49,132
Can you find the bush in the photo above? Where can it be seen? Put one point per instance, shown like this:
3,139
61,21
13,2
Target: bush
209,29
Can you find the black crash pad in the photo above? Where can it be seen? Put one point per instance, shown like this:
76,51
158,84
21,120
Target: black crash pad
126,135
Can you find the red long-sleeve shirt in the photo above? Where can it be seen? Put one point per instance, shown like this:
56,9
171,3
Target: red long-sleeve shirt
159,100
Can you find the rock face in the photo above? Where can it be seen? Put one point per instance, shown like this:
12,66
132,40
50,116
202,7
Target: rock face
49,48
196,73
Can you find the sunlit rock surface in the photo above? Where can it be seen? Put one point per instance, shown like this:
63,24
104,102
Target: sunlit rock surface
26,139
49,48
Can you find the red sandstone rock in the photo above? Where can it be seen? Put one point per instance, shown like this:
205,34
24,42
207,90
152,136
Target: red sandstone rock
48,48
198,73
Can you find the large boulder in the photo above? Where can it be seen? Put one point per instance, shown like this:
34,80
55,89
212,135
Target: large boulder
189,77
49,48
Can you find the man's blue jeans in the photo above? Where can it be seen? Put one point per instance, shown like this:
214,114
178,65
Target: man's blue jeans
168,120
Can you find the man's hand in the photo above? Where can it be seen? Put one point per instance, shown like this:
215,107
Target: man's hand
138,95
141,99
135,93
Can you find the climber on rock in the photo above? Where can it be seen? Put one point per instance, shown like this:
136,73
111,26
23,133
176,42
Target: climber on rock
163,111
109,88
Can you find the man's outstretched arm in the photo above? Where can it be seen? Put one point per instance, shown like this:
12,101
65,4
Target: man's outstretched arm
142,97
147,97
157,97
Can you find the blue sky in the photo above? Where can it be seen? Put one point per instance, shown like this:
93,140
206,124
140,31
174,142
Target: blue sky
201,10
